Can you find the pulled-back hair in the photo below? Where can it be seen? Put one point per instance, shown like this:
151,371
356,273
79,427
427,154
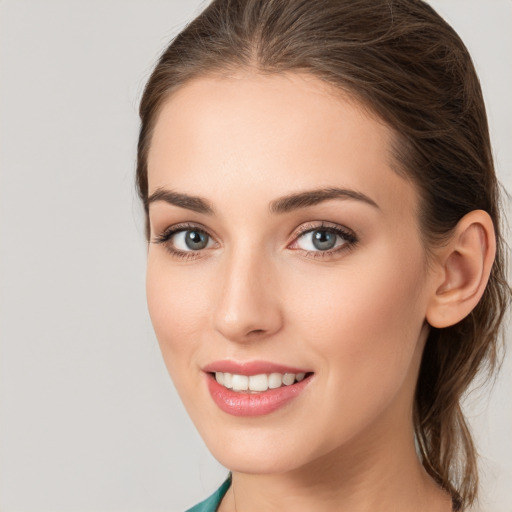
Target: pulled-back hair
405,64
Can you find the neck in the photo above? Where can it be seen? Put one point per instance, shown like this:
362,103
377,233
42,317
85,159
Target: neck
387,477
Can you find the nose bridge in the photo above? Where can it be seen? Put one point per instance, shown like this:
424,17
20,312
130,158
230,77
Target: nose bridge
247,303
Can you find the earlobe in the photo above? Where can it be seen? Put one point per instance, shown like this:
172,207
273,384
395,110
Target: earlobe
463,269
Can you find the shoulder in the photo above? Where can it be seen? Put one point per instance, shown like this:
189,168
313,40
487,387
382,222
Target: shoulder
210,504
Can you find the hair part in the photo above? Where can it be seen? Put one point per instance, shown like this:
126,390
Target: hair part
403,62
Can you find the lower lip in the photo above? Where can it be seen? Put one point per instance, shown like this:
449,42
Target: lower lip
238,403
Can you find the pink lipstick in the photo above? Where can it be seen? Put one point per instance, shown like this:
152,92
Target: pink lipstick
254,388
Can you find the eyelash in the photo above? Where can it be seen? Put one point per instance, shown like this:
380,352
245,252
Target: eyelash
164,238
346,234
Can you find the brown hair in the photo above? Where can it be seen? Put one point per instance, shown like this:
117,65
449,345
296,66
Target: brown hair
402,61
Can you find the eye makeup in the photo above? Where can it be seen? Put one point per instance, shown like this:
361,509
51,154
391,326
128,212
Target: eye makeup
328,238
166,240
319,240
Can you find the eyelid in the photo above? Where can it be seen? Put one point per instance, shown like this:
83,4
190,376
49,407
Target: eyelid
165,236
340,230
171,230
307,227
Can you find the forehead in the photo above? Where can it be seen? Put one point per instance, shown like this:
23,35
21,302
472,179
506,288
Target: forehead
270,133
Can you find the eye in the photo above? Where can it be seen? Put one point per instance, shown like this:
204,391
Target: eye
320,239
185,241
326,239
190,240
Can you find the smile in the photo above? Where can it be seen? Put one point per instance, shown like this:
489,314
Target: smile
257,383
254,388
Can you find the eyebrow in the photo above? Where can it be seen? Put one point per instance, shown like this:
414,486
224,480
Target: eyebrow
194,203
281,205
312,197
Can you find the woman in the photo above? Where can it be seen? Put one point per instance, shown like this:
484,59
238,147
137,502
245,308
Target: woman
325,265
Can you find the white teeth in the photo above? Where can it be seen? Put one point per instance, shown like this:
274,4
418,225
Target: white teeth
257,383
228,380
288,378
275,380
240,383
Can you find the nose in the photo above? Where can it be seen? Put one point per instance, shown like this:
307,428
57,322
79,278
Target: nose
248,307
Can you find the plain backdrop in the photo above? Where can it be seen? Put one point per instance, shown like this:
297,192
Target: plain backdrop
89,419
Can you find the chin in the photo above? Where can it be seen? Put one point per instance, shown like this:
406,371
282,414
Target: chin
261,463
251,453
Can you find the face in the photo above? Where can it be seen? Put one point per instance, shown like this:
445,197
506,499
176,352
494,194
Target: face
282,242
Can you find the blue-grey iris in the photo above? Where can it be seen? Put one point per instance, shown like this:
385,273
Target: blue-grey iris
324,240
196,240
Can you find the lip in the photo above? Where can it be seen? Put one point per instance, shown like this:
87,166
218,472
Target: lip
250,367
238,403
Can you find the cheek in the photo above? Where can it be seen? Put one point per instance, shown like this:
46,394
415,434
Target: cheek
177,302
364,320
363,328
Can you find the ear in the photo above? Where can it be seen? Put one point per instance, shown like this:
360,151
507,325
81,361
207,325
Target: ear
462,270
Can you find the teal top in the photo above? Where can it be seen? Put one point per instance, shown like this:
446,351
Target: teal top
211,504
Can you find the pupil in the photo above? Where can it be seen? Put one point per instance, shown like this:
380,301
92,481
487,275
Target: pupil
324,240
196,240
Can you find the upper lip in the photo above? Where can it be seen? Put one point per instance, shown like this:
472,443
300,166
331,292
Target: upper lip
250,367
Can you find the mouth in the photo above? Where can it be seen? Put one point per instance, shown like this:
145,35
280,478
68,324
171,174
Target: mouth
258,383
243,392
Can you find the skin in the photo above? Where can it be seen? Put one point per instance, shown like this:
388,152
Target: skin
355,317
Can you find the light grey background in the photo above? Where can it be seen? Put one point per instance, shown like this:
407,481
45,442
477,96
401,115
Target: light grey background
89,420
